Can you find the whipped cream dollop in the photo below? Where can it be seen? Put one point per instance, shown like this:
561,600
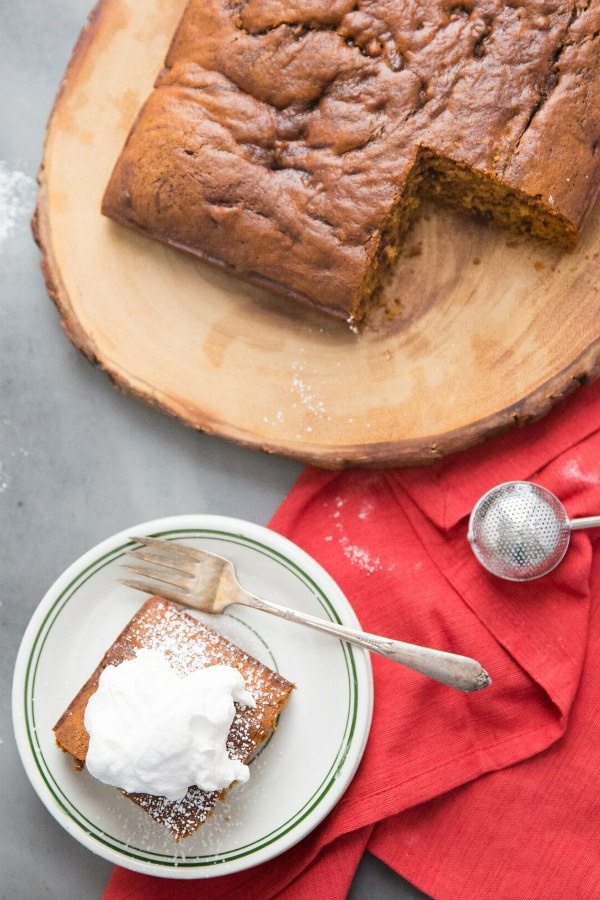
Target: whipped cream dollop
154,731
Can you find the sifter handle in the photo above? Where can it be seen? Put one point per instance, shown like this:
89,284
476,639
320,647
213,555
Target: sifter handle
589,522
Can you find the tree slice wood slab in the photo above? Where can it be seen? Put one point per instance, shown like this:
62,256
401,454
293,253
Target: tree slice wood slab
487,331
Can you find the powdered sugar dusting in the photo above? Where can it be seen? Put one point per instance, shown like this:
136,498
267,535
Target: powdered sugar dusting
358,556
17,198
306,393
307,396
3,479
176,637
275,420
365,511
6,466
572,469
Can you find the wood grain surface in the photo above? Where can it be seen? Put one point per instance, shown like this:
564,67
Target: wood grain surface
477,331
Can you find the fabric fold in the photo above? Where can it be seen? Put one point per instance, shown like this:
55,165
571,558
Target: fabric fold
527,832
448,490
527,619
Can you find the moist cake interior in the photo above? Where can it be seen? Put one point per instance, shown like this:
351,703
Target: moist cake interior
463,188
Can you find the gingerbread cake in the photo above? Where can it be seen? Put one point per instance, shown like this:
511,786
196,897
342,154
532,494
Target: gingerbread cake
289,141
188,645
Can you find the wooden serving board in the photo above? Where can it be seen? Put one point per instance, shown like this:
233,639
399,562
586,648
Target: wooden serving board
489,331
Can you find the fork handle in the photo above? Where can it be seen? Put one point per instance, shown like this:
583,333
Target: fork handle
459,672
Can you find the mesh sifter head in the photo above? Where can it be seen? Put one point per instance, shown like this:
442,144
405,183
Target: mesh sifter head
519,531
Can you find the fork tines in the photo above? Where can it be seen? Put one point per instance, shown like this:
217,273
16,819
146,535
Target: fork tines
172,565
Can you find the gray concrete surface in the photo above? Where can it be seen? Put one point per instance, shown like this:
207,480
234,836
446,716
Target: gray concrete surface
78,461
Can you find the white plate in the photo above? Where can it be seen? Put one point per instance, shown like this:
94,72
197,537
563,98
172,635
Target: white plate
299,776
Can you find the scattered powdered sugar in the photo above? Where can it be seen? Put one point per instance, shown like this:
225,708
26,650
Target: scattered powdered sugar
572,469
365,511
306,393
275,420
17,198
360,557
339,503
6,466
3,479
357,555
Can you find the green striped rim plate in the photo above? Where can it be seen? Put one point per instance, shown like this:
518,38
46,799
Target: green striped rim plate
299,776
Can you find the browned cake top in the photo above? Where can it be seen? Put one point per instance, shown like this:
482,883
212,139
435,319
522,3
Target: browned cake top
281,132
188,645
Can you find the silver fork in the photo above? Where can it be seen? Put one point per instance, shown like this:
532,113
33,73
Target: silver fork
207,582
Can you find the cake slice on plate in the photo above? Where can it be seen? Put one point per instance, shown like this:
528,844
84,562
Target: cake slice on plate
188,645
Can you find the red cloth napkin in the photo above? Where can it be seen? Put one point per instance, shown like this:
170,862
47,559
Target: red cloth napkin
490,795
